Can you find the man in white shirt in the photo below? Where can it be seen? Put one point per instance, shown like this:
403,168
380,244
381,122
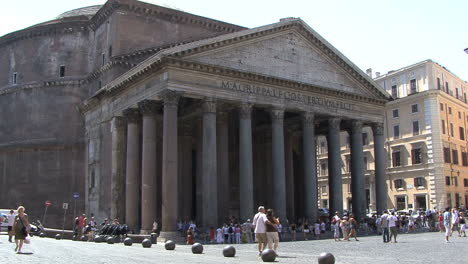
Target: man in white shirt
383,224
393,225
259,227
11,219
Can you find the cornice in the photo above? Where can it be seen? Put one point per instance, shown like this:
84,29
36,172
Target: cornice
40,84
68,27
160,12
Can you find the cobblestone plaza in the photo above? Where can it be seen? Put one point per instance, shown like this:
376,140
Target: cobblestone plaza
412,248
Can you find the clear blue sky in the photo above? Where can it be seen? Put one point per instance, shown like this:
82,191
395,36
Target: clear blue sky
382,35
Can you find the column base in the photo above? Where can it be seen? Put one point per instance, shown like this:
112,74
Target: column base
170,235
145,232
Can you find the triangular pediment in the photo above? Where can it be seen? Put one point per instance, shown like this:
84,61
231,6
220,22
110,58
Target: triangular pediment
289,50
285,55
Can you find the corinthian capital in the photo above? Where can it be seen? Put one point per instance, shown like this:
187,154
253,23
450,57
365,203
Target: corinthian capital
334,122
149,107
133,115
245,111
308,118
356,126
378,128
171,98
277,114
209,105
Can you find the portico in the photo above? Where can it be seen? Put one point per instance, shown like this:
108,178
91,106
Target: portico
236,119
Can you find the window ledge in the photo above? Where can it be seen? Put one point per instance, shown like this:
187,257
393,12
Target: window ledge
420,187
400,189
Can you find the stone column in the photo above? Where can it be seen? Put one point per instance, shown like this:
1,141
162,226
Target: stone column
149,110
279,171
289,166
380,179
310,168
335,181
209,174
223,165
169,209
133,180
358,188
372,194
186,177
245,162
119,144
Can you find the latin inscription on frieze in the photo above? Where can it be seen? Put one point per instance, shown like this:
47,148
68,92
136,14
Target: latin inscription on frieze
286,95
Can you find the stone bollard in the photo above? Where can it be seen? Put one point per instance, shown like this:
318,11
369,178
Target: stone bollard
42,234
326,258
146,243
58,236
268,255
128,241
110,240
229,251
169,245
197,248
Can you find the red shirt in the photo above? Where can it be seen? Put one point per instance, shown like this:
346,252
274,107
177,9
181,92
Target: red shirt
81,222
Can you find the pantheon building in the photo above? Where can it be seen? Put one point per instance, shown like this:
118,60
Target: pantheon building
167,116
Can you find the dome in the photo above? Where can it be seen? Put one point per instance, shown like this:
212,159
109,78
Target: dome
84,11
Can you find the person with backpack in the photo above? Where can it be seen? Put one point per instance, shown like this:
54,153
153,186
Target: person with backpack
230,234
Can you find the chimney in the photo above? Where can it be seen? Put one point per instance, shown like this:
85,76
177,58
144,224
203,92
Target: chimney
377,74
369,72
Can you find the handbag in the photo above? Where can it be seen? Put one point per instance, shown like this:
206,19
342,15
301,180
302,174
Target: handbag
23,229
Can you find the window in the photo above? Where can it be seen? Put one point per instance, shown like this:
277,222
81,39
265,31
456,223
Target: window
322,147
450,110
401,203
324,189
103,59
415,128
459,115
465,182
456,93
419,182
395,113
365,140
441,107
451,129
62,71
464,97
443,127
100,84
365,163
447,180
399,183
438,83
15,77
348,163
394,91
416,156
396,158
413,86
449,199
447,87
414,108
110,51
464,158
457,199
323,169
462,133
396,131
455,181
447,158
454,156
